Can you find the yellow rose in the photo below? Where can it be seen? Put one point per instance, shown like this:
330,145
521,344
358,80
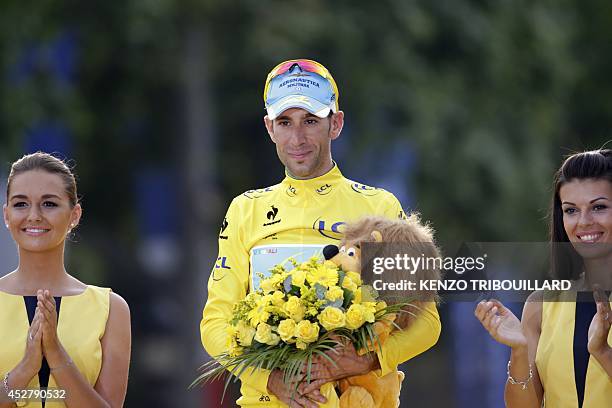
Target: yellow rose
334,293
294,308
278,298
307,332
245,333
274,340
332,318
369,308
264,335
298,277
277,312
272,283
357,299
266,285
381,305
355,316
354,276
286,330
349,284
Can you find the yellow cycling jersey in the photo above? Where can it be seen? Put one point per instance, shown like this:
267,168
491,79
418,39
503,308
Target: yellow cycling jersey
295,218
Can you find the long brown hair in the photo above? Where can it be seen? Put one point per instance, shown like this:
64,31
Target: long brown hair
596,164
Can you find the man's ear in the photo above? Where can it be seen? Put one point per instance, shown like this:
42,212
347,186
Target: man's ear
336,125
376,236
270,127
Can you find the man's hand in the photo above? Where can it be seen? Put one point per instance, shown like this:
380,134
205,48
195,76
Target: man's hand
346,363
293,396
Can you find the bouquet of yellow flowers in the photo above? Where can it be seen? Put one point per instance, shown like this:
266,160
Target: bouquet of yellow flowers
292,317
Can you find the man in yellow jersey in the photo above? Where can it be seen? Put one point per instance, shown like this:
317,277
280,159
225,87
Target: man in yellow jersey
297,218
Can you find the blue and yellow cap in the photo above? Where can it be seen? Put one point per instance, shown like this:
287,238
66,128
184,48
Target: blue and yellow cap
302,84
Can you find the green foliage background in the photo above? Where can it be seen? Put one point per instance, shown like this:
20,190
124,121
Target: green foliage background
490,95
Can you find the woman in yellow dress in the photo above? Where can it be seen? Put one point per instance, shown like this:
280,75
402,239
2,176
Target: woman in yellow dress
55,331
561,354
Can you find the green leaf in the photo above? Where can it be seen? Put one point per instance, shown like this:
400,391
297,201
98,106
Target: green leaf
348,298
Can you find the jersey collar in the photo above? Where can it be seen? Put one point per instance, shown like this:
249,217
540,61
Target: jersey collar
321,185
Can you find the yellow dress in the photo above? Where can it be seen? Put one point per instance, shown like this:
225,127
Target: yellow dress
81,324
555,361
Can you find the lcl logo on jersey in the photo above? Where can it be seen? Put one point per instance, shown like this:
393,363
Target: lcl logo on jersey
365,190
324,189
257,193
222,263
291,191
329,229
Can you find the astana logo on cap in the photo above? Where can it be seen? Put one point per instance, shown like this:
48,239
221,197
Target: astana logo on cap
300,89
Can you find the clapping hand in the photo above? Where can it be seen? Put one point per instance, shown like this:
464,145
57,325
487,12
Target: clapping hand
51,345
501,323
600,325
32,360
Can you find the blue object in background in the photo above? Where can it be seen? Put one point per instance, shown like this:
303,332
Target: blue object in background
396,171
479,361
156,200
56,58
158,221
50,137
56,61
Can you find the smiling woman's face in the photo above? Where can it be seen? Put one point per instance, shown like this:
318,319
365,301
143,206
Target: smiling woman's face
587,210
38,211
587,216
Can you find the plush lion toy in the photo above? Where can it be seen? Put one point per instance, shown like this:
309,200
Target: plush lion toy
370,390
